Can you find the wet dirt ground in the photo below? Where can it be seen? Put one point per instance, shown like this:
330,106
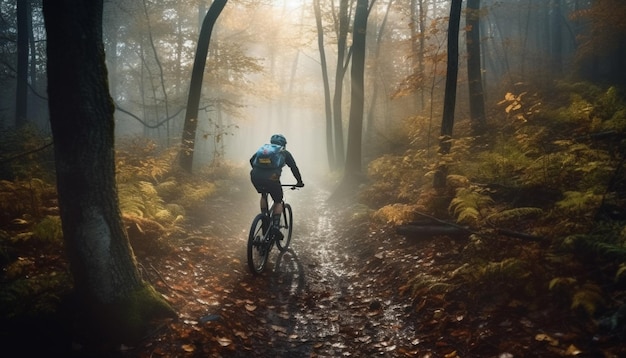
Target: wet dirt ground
319,298
341,290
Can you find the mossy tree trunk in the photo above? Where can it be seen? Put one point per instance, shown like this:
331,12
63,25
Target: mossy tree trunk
112,298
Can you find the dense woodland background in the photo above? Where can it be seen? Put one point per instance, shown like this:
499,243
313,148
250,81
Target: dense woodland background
534,153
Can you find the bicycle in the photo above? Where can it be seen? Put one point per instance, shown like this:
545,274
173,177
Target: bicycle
261,239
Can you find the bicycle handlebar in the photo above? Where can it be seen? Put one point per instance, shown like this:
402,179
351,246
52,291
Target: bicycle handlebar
293,186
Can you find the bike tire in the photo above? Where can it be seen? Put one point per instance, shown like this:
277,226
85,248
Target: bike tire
286,228
258,249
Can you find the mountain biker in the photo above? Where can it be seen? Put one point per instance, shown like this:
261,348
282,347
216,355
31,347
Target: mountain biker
266,178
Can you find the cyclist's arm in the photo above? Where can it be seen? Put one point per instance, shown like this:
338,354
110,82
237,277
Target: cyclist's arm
294,168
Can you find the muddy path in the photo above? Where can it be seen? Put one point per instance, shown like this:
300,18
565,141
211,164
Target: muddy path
319,298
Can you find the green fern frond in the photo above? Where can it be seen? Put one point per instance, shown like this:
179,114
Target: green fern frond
576,202
49,229
467,215
139,199
508,270
560,283
467,205
597,245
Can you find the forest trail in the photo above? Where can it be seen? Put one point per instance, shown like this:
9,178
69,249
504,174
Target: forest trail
346,287
316,299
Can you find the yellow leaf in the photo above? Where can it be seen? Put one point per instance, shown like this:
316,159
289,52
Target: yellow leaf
188,348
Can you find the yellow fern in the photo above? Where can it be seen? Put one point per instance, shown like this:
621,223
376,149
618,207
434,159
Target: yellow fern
467,205
589,297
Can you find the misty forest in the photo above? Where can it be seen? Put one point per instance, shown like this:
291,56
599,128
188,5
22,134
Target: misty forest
464,183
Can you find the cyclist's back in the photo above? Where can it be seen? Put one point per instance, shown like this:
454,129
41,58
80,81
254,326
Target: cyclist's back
267,164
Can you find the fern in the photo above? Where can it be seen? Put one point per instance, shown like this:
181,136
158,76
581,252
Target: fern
589,297
139,199
467,205
49,229
506,271
621,272
511,215
579,203
395,214
562,283
18,198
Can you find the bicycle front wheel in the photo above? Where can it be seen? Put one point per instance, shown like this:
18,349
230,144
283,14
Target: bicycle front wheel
286,228
258,249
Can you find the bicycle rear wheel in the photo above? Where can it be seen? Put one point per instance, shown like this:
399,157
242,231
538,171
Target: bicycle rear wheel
286,228
258,249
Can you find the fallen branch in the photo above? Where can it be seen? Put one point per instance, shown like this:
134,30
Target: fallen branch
437,227
429,231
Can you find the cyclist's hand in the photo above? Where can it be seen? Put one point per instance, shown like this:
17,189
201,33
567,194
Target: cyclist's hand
300,184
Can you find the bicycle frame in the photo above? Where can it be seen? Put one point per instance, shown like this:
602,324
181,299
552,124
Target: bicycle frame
261,238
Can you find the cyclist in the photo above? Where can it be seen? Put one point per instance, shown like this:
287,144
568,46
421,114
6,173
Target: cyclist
267,164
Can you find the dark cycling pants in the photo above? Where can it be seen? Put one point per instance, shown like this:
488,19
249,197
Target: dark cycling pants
267,184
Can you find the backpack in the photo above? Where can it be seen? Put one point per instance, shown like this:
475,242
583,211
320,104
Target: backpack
270,156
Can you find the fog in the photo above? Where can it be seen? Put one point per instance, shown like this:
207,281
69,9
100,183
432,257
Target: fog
263,72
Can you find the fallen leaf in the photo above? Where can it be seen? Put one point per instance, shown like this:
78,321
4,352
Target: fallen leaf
280,329
250,307
188,348
572,350
223,341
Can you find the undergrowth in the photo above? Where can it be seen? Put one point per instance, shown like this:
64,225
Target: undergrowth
155,197
551,170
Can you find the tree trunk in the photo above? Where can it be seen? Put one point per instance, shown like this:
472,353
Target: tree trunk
339,75
556,43
21,93
378,75
106,280
474,71
195,87
327,102
449,101
355,128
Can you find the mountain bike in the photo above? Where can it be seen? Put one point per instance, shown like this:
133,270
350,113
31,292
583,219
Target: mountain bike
261,239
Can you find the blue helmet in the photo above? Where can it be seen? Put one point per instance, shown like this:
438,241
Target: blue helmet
278,139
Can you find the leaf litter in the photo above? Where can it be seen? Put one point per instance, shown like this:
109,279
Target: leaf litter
341,290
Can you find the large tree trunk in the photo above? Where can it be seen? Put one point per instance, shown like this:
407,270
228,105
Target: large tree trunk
195,87
449,101
474,71
327,102
106,280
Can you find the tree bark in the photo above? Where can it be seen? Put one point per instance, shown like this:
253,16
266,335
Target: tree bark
106,280
449,101
357,98
195,86
339,75
327,102
21,93
474,71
